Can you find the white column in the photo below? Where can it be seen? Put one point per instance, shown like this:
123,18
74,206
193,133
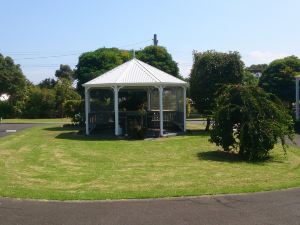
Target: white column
184,109
116,100
87,110
161,112
297,98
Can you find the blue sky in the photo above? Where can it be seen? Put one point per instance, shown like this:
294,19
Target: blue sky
260,30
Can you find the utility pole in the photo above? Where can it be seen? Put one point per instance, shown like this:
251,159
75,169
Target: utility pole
155,41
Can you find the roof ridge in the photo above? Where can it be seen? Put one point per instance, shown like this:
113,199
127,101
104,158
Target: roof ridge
124,71
107,73
143,67
173,77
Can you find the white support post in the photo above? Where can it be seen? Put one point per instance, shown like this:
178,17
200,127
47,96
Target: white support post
116,101
148,99
161,112
87,110
184,109
297,98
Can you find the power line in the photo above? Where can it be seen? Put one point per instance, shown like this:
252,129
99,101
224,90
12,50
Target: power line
61,55
46,57
141,42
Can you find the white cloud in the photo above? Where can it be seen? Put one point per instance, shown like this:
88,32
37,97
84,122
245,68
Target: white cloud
265,56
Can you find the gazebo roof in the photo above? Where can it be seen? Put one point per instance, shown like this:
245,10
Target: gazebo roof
135,73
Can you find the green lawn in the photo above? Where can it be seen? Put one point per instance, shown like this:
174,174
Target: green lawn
52,162
55,120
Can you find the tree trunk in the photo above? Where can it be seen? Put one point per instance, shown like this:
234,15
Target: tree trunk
207,124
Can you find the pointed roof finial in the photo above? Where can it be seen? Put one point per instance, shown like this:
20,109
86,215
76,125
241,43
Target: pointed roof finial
133,53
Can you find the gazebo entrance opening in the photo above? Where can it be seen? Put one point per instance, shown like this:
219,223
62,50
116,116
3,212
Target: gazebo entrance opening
137,107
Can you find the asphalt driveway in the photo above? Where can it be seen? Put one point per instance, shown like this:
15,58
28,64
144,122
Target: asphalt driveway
13,126
279,207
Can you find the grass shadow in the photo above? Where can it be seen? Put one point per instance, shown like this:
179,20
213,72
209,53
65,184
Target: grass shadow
231,157
76,133
197,133
220,156
82,137
62,128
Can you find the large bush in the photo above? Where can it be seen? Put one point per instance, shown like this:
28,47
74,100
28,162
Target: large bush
250,121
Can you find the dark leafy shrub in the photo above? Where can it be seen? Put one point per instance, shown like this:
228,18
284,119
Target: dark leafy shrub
137,131
250,121
6,109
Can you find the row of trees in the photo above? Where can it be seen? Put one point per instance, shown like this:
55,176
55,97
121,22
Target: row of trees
45,100
58,97
250,114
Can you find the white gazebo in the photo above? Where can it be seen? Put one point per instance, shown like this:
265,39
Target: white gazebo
138,75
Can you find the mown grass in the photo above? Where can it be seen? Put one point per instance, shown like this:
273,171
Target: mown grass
52,162
51,120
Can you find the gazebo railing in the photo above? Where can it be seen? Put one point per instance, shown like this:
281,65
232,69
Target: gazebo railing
170,118
100,118
150,119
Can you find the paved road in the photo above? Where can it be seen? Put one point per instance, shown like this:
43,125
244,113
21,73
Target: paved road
280,207
13,126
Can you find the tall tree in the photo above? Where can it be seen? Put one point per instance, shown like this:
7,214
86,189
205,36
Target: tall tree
14,84
63,93
211,70
65,72
257,68
95,63
278,78
47,83
159,57
12,80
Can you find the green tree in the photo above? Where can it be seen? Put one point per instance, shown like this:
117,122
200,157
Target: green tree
14,83
95,63
257,68
73,107
65,72
12,80
159,57
47,83
63,93
211,70
250,121
250,79
278,78
40,103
